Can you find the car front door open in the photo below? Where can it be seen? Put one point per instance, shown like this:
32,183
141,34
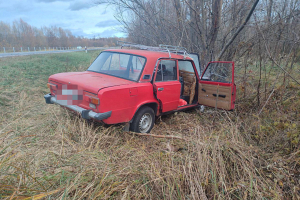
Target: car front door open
216,86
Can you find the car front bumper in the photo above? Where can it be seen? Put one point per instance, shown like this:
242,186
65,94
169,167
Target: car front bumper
85,113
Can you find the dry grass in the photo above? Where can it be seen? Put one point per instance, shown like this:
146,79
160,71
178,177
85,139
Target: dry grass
47,152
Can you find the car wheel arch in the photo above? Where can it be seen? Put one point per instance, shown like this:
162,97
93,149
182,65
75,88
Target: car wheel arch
152,105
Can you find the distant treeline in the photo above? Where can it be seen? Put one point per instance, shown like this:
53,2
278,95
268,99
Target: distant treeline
21,34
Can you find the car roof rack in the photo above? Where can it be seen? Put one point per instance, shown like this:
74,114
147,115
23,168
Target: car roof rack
162,48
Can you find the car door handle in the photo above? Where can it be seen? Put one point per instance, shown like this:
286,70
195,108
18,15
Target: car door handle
220,95
160,89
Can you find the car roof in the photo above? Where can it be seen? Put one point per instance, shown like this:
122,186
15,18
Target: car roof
150,54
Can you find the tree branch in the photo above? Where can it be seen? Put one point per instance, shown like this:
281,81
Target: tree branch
158,136
238,31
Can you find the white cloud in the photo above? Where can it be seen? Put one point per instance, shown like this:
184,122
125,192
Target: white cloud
111,33
108,23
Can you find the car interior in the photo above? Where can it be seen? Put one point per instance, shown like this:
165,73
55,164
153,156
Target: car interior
188,81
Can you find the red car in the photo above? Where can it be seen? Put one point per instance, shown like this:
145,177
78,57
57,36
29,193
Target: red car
135,86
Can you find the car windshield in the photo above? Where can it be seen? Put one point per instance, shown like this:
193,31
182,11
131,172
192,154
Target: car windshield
122,65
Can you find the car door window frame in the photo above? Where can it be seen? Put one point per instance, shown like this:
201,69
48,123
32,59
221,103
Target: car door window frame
224,62
156,70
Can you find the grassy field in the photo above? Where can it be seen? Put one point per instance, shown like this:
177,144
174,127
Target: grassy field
47,152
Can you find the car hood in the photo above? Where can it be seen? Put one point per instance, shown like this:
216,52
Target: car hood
88,81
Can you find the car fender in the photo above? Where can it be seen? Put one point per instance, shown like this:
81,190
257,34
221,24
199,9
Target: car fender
152,104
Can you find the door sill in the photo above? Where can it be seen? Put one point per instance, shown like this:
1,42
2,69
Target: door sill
187,106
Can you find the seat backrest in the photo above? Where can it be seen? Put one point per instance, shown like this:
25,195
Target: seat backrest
182,85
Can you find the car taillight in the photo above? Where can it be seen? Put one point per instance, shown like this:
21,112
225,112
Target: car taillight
52,86
95,100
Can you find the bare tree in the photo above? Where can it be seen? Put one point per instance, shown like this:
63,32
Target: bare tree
205,27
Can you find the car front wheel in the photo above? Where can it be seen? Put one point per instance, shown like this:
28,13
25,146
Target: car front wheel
143,120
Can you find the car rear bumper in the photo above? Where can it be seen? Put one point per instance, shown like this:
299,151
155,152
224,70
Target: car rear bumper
86,114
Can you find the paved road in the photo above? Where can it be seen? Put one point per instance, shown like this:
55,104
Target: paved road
2,55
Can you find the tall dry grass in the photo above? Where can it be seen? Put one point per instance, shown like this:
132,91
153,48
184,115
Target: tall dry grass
47,152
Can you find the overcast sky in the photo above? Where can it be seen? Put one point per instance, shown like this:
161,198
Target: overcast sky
81,17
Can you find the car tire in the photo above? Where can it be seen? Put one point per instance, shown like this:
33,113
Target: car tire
143,120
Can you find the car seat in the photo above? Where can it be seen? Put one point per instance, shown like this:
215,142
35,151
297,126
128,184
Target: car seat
182,87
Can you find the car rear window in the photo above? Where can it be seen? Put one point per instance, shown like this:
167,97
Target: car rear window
127,66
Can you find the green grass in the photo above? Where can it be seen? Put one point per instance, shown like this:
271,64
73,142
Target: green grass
31,70
48,151
22,76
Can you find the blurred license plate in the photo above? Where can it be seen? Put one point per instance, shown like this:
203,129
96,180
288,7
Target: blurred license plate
69,95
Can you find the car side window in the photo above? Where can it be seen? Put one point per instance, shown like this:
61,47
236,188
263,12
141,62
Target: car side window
186,66
166,71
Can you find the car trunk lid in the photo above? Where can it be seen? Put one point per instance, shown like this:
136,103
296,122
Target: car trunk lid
88,81
79,88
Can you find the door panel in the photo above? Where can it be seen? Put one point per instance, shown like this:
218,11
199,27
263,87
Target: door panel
216,87
215,96
166,85
168,94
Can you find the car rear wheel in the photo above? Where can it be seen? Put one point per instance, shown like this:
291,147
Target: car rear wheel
143,120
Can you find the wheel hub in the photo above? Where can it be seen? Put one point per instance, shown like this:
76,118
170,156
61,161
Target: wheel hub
145,122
